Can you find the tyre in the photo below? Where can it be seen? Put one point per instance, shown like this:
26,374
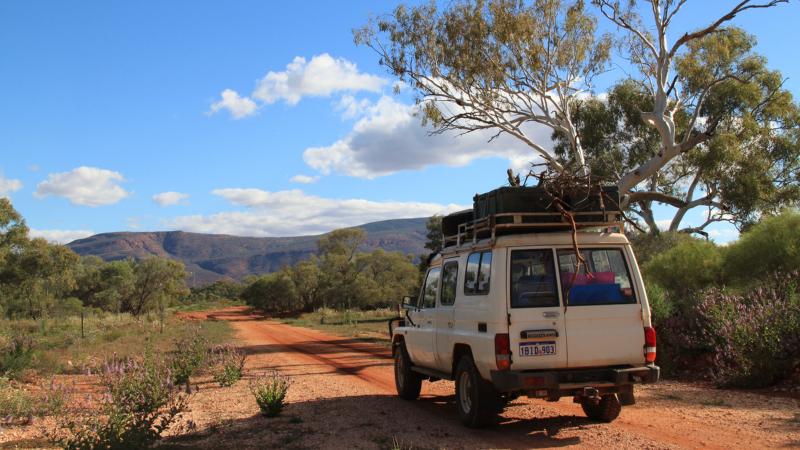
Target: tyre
476,399
408,382
606,410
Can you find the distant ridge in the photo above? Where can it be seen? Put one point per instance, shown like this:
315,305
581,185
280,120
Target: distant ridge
214,257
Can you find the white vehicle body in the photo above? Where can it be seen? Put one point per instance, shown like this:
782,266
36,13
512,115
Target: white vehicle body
510,292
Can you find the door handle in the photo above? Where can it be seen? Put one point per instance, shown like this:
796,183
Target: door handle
429,322
551,313
450,324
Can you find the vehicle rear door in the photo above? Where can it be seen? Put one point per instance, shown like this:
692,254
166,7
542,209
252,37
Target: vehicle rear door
537,332
603,315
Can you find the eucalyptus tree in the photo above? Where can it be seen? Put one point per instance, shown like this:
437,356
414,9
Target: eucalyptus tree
505,67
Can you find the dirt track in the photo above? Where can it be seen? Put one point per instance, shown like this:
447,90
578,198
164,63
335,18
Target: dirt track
345,396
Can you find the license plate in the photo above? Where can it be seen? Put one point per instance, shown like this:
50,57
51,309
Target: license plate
537,348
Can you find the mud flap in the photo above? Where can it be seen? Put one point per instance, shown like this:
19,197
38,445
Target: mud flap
626,399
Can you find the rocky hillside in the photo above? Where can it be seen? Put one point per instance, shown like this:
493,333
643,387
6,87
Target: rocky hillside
213,257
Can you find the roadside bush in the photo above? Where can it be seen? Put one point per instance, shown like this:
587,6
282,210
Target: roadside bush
691,265
752,341
269,391
14,402
190,352
660,307
16,356
768,246
273,292
227,361
647,246
140,403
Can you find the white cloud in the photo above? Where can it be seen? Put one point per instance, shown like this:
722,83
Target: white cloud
320,77
294,213
170,198
61,236
723,233
390,139
33,168
84,186
239,107
8,185
303,179
663,225
352,108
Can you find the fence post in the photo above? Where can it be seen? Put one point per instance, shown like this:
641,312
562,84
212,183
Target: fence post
162,321
81,324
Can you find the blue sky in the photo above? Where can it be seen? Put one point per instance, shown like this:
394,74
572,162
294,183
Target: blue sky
246,118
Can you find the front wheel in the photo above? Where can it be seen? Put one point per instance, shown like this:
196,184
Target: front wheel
606,410
475,398
408,382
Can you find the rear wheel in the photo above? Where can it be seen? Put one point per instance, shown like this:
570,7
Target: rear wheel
408,382
606,410
476,399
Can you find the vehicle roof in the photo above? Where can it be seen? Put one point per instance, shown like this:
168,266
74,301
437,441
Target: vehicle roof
552,239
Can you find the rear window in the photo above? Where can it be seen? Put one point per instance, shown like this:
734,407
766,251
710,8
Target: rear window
604,281
533,279
428,299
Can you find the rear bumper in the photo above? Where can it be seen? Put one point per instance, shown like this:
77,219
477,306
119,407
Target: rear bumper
572,382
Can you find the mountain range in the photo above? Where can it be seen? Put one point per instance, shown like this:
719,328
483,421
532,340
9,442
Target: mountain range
213,257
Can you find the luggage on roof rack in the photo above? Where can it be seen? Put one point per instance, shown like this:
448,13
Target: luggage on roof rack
523,209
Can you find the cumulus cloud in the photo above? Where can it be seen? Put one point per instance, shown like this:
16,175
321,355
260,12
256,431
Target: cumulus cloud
350,108
303,179
239,107
33,168
323,76
8,185
170,198
389,139
294,213
320,77
61,236
88,186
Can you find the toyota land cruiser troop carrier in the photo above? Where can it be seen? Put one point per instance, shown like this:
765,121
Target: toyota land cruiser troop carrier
506,311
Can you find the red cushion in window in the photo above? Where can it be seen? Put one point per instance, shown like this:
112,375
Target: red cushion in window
566,279
603,278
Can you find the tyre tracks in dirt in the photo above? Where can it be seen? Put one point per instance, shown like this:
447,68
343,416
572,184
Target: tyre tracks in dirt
355,381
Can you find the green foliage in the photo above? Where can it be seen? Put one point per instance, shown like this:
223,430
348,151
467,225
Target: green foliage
269,391
16,356
768,246
691,265
15,402
215,292
141,402
227,361
660,307
435,237
273,292
648,245
191,351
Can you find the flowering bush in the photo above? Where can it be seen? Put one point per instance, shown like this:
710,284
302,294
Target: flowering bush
190,352
752,340
227,361
140,403
269,391
16,355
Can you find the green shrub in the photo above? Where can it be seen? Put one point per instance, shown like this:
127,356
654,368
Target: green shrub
190,352
768,246
14,402
269,391
227,361
690,266
648,245
660,306
16,356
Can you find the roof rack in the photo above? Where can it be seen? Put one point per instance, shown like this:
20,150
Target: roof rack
496,225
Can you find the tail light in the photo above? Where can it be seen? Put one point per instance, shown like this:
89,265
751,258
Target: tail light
502,351
649,344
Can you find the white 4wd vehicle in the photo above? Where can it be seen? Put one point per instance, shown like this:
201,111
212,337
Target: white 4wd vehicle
492,316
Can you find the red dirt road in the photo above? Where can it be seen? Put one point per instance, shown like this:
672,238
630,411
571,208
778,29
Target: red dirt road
339,381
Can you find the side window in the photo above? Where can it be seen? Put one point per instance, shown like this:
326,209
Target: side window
428,299
476,280
533,279
449,283
605,282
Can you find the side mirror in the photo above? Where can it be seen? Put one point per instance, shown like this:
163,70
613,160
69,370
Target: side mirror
407,303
